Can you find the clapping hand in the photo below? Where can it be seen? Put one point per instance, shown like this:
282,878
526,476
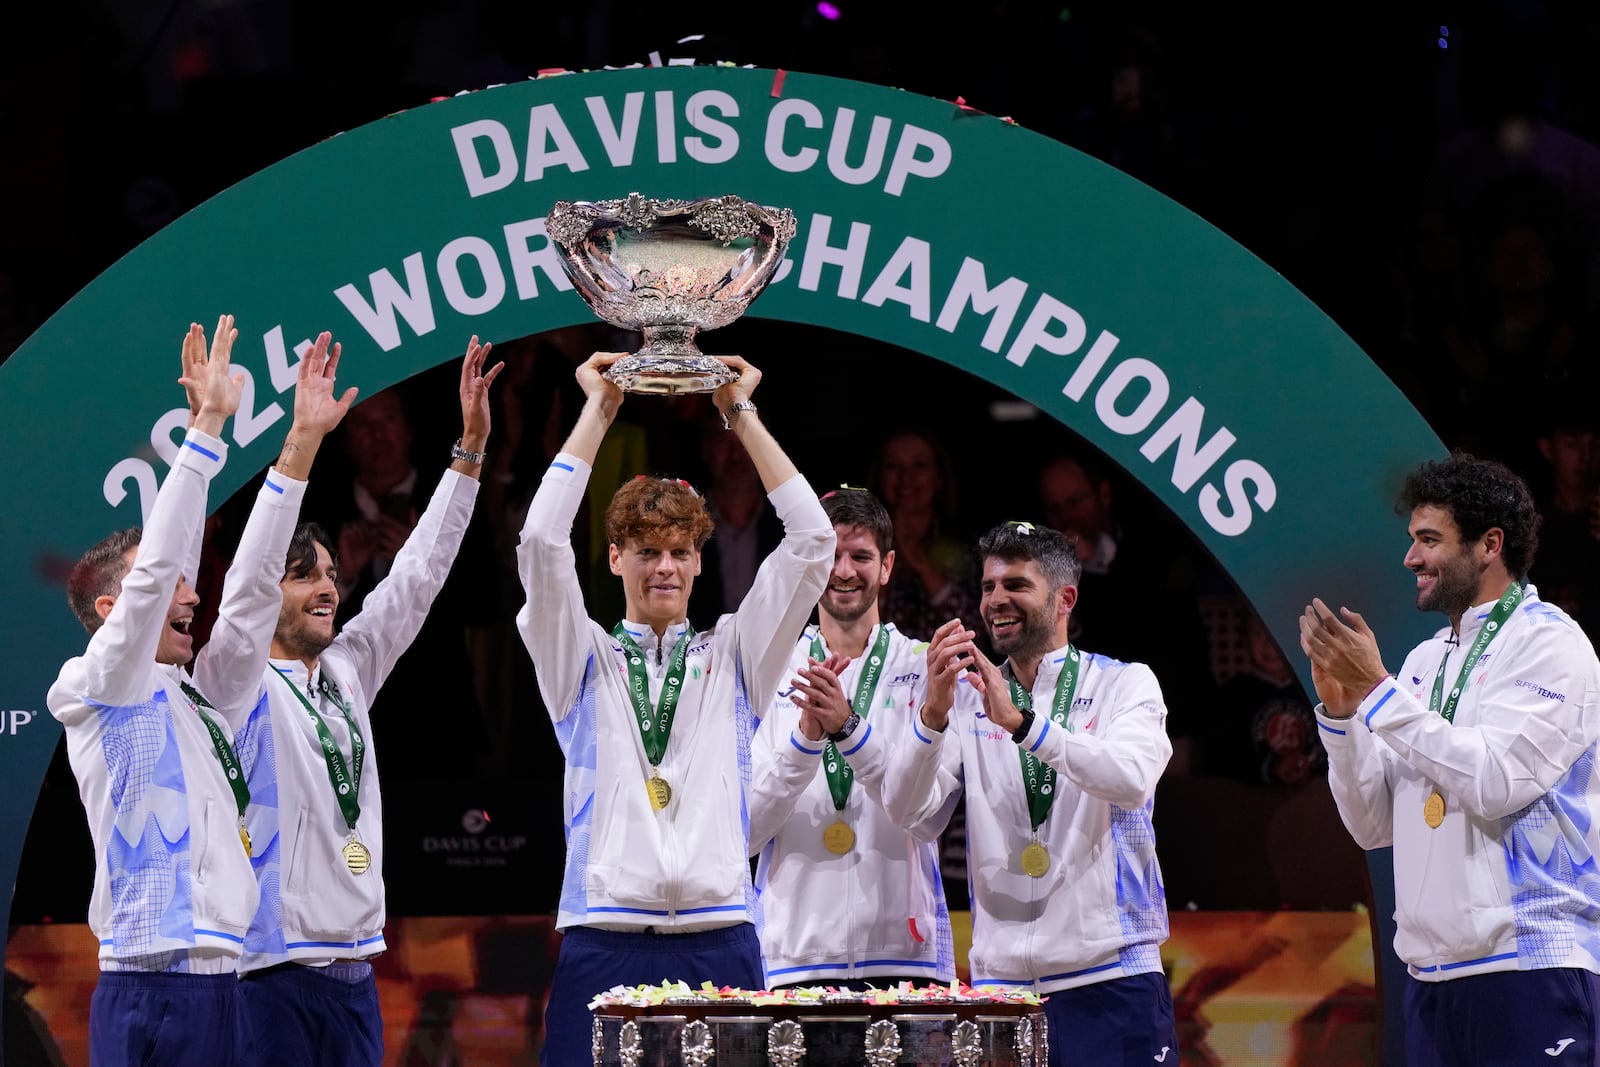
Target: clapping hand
820,696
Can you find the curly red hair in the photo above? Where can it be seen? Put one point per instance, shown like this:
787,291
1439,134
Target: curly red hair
657,509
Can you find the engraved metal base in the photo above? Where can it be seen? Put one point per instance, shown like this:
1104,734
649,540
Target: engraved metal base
645,372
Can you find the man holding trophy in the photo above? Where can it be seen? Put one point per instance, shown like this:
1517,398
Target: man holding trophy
654,717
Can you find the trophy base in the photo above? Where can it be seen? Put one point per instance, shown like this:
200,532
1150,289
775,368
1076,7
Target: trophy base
669,375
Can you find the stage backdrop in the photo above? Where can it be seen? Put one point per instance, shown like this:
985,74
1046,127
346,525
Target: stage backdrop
958,235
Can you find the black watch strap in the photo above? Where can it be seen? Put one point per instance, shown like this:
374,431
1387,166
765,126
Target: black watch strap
847,729
1021,733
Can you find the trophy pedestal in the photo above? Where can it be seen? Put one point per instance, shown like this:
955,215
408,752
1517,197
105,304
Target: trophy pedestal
666,377
661,370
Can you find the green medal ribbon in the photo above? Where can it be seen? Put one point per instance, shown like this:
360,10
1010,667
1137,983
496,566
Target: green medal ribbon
1492,626
225,753
655,724
346,779
840,774
1038,777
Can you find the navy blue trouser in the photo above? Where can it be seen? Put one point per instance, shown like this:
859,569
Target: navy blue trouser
1549,1017
139,1019
313,1015
1116,1023
592,961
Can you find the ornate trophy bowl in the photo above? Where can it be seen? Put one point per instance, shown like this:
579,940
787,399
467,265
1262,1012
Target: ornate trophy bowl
669,268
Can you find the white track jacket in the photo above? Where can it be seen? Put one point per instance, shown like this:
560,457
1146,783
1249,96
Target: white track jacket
1509,880
686,866
879,909
1099,912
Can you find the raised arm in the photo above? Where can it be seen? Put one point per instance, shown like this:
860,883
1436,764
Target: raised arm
738,411
229,669
553,622
394,611
601,400
791,579
120,652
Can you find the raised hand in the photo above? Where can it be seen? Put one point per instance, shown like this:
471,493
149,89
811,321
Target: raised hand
740,389
1345,661
211,383
593,381
997,704
475,395
949,654
194,368
820,696
316,411
315,406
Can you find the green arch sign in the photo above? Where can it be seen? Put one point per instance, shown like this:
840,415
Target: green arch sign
1189,362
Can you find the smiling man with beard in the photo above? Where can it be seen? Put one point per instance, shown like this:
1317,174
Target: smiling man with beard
307,980
848,897
1058,751
1476,763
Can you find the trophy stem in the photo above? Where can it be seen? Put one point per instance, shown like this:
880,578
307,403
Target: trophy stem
669,341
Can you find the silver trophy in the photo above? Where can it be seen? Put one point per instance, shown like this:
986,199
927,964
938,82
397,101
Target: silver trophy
669,268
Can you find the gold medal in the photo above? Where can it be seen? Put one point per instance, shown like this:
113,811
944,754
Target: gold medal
660,792
839,838
1433,810
244,839
1035,860
356,856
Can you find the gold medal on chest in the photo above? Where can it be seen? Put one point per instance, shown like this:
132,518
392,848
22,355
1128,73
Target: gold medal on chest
1035,860
244,839
660,792
356,856
1433,810
838,838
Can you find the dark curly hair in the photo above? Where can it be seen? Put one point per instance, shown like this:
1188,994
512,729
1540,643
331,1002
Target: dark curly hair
301,558
653,509
1480,495
1018,542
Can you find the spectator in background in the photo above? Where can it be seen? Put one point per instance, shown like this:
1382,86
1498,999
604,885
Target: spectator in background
1262,731
934,579
1124,586
1568,566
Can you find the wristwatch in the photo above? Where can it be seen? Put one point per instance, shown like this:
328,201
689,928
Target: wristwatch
457,452
733,412
846,730
1020,734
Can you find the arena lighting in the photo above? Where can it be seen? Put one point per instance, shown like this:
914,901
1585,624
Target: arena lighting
828,11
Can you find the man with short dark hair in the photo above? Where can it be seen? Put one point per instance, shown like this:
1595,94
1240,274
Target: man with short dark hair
306,970
1476,762
1058,751
656,719
151,747
848,897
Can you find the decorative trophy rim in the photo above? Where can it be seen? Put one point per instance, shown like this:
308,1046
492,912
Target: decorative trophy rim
671,285
726,217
